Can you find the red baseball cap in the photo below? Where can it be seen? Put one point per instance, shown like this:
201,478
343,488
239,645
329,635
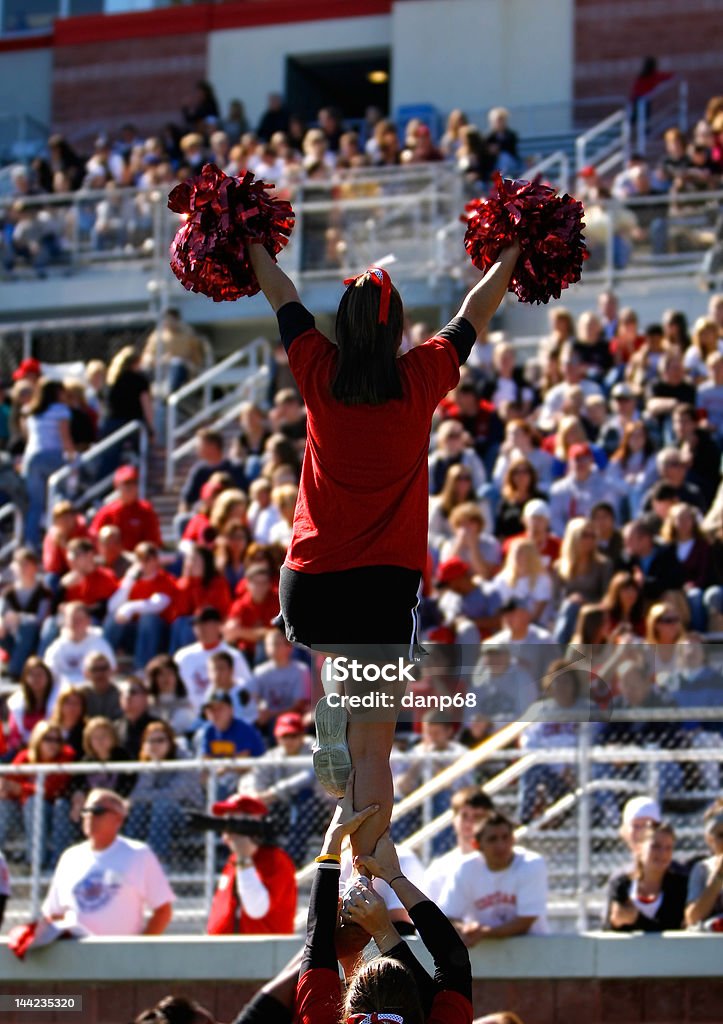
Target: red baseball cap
451,570
289,724
28,368
240,805
125,475
579,451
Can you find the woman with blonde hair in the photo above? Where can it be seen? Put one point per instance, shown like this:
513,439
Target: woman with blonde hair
650,897
284,497
17,794
69,715
524,578
704,342
582,575
229,504
450,141
229,550
458,489
632,469
562,332
664,633
471,542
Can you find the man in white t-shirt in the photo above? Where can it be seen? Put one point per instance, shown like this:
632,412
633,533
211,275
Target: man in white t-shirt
193,661
470,807
78,638
108,883
500,891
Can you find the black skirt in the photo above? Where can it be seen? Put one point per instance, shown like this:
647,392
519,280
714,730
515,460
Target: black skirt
368,613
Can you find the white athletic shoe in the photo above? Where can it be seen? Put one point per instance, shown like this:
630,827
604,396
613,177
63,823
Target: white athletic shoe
332,760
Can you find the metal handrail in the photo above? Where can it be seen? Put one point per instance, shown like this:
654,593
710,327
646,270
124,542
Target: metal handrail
101,487
558,159
178,441
8,510
676,112
619,145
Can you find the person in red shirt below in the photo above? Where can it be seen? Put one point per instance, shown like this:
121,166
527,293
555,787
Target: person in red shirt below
200,586
143,607
198,529
17,794
256,893
251,616
135,518
359,546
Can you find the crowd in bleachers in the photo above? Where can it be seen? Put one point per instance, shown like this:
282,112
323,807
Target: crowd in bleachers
575,512
326,159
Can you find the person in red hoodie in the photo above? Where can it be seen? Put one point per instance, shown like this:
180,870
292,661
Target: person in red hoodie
141,611
201,586
256,893
87,582
251,616
135,518
67,524
17,794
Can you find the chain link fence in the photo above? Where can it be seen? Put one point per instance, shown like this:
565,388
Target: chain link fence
572,798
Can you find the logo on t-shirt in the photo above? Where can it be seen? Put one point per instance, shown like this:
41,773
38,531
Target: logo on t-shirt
96,890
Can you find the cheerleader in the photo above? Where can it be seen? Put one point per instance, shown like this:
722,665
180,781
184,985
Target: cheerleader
351,581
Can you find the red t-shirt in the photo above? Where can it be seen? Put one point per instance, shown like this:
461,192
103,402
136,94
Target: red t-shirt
55,785
137,521
199,530
248,613
364,491
97,586
193,595
276,870
161,583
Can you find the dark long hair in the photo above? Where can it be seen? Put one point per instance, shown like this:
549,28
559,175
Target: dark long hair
366,367
384,984
48,392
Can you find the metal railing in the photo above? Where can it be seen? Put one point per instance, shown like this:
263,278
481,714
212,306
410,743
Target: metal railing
244,374
606,145
666,106
554,169
85,492
581,849
11,511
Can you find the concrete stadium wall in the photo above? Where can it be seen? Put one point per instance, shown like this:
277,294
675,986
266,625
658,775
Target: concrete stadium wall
482,53
25,83
598,979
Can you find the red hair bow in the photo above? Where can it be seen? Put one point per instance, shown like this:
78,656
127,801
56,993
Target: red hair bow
374,1018
382,280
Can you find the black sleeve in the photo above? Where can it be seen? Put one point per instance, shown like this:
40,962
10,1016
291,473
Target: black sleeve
293,320
320,950
462,335
264,1009
452,971
425,986
3,901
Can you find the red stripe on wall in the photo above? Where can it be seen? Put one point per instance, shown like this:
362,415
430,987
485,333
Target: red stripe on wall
203,18
34,42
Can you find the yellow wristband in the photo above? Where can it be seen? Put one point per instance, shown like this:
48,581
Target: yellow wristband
327,857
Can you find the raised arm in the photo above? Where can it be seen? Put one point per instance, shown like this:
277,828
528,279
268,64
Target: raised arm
275,284
480,304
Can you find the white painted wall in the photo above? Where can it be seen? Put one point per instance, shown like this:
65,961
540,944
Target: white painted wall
476,54
249,63
25,83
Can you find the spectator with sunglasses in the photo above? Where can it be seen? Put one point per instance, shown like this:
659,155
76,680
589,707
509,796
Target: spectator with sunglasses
109,883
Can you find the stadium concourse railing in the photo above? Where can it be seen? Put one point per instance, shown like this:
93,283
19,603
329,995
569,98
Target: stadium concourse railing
213,398
575,830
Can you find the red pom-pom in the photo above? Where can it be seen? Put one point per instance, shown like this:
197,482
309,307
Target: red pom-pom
547,226
210,251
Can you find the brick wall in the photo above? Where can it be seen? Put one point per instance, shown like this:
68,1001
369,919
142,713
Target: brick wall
613,36
592,1001
97,86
